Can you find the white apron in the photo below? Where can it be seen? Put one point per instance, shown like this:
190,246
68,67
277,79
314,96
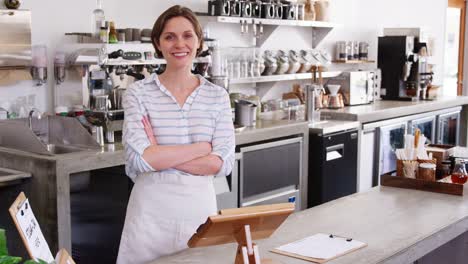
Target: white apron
164,211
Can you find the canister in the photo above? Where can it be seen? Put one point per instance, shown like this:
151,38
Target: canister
426,171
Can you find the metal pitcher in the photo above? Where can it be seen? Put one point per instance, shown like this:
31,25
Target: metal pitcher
245,113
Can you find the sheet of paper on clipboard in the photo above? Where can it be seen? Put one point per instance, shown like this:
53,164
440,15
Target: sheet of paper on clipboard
320,247
31,233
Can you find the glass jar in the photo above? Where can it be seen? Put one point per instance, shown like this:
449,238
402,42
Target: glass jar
444,169
459,174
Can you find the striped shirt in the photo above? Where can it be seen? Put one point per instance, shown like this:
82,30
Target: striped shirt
205,117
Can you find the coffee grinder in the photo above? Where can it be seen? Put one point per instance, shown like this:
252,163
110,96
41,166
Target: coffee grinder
403,69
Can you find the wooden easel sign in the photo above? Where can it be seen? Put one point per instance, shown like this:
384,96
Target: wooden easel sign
242,225
29,229
63,257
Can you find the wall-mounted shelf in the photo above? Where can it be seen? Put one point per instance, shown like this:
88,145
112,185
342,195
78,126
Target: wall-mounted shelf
319,28
282,77
354,61
273,22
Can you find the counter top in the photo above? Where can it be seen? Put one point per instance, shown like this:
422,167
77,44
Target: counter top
399,226
108,156
384,109
264,130
332,126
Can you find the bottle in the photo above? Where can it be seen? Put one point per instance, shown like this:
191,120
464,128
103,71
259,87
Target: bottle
459,174
112,33
98,18
103,36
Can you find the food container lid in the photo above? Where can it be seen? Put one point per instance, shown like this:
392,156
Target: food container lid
427,166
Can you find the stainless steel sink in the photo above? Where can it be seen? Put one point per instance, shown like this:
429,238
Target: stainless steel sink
50,135
61,149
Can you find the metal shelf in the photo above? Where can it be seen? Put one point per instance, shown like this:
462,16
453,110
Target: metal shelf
273,22
353,61
120,61
319,28
283,77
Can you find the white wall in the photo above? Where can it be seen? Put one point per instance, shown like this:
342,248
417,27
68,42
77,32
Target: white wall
360,19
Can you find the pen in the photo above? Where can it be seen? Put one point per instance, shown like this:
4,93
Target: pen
347,239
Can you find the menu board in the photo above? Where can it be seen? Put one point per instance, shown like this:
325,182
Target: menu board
31,233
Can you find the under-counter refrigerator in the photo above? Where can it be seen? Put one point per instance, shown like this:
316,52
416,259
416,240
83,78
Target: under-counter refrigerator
332,166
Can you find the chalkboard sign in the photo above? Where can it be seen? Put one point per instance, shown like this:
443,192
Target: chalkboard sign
29,229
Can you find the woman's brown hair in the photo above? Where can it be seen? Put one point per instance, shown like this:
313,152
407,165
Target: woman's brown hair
175,11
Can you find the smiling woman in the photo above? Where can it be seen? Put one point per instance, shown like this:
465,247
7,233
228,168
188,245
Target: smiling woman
181,13
178,135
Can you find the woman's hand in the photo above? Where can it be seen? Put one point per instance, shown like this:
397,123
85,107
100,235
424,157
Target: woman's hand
149,130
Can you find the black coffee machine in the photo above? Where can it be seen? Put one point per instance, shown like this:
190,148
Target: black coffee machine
403,70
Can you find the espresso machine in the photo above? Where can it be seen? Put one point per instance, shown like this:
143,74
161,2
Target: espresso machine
405,74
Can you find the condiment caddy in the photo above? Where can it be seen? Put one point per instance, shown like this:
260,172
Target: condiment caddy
416,169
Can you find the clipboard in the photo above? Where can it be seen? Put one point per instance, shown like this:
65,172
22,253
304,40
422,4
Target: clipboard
356,246
30,232
242,225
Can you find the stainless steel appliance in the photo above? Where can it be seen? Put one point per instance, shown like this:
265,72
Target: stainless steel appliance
332,166
402,59
448,128
15,40
270,172
357,87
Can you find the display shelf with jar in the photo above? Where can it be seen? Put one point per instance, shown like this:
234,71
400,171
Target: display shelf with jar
244,65
262,28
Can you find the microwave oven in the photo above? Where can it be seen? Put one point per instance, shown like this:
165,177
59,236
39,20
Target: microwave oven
358,87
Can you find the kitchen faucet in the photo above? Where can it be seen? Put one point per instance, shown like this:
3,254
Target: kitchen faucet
31,113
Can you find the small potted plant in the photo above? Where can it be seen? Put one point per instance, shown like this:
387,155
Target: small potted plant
6,259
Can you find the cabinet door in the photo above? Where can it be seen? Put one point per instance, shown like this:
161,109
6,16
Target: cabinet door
426,126
448,128
366,159
270,167
391,137
339,165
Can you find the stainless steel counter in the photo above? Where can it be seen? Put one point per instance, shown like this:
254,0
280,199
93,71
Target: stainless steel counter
399,225
381,110
265,130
